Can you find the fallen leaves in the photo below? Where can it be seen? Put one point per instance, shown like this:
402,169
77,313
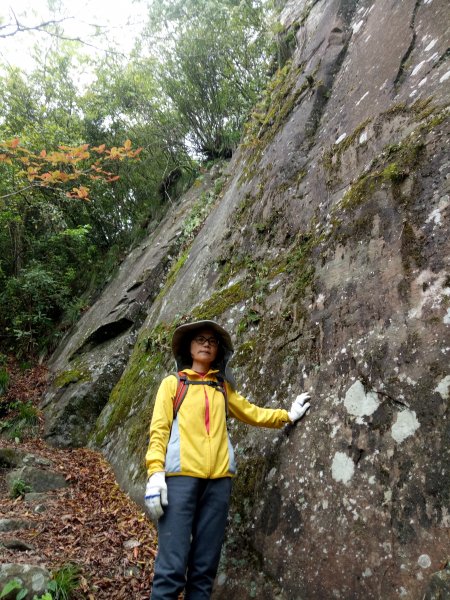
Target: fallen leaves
92,523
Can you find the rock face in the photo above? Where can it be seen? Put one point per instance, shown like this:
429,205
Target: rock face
91,359
327,257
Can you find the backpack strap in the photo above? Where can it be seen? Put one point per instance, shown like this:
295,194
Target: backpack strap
181,392
222,388
183,385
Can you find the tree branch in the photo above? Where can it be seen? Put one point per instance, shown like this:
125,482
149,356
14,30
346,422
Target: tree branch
43,28
20,28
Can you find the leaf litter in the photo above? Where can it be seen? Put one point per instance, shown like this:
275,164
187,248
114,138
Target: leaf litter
92,523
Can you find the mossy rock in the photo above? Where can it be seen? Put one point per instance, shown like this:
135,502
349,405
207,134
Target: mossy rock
65,378
221,301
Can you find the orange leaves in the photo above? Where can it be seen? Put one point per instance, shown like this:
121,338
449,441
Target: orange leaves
123,152
81,192
5,158
99,149
80,164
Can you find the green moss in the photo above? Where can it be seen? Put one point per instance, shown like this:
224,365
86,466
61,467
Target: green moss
138,430
436,119
146,365
418,111
244,353
255,270
404,159
244,205
221,301
65,378
279,99
247,484
411,249
172,275
393,172
306,11
358,192
299,261
197,216
293,182
286,42
269,226
420,108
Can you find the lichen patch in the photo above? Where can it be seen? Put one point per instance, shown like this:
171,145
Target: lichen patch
358,402
405,425
342,468
443,387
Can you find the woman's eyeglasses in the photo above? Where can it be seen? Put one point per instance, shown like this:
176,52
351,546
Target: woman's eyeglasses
202,340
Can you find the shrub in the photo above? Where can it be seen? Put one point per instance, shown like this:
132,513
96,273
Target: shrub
24,421
65,581
19,489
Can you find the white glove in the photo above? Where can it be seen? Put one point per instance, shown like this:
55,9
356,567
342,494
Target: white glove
299,407
156,495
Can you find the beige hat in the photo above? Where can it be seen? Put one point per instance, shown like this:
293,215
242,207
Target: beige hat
184,334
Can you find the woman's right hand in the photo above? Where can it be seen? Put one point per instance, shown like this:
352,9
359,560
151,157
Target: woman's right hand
156,495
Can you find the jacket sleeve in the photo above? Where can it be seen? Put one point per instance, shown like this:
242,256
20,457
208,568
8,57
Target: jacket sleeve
160,426
245,411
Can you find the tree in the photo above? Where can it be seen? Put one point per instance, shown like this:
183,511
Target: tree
73,196
50,185
213,62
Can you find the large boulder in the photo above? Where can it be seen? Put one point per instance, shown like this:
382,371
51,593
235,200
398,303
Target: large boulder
11,458
35,479
7,525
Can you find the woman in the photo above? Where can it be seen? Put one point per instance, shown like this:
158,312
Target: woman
190,460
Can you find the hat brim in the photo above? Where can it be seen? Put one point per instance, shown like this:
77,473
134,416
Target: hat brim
181,333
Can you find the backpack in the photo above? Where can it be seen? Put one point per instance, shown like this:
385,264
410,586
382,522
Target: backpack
183,385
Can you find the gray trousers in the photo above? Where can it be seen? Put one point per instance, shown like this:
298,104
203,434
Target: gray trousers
190,536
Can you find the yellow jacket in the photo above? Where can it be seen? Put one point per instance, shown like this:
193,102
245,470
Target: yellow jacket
196,443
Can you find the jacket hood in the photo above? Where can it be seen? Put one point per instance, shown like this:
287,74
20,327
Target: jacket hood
181,341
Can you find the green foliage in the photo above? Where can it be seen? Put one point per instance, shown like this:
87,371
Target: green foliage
23,422
16,585
205,67
19,489
214,58
54,251
34,299
65,581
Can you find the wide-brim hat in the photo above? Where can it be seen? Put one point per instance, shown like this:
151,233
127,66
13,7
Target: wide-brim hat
183,335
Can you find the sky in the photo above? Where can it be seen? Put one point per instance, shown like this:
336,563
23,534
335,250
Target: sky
123,20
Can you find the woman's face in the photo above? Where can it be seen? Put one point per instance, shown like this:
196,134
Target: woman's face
204,347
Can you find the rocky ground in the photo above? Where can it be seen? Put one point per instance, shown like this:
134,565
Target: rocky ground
88,522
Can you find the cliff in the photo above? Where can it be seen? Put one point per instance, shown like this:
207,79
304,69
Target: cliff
324,247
